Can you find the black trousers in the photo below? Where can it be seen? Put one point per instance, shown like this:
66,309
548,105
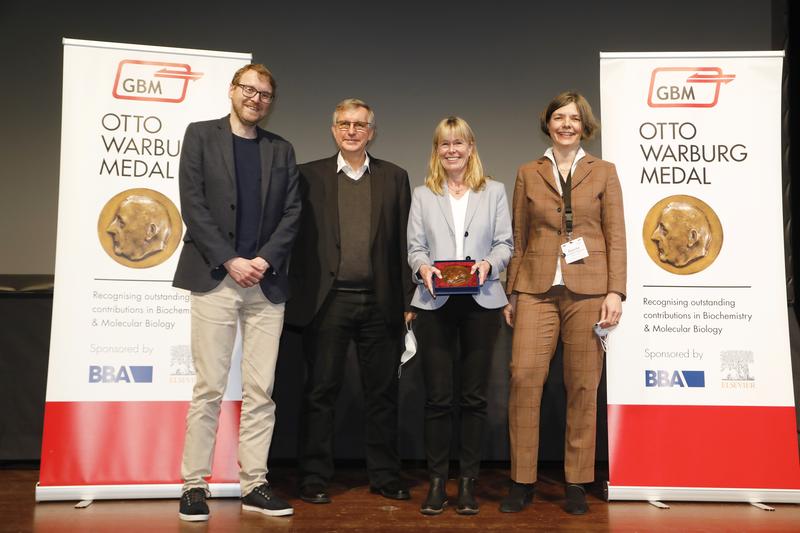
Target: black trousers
456,340
350,316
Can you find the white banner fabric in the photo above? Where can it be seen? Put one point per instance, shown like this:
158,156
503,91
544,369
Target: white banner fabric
120,361
699,371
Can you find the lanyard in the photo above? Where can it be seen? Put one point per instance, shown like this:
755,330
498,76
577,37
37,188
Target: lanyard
566,194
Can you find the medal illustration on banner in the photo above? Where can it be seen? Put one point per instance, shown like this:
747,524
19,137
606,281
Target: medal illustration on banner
682,234
139,228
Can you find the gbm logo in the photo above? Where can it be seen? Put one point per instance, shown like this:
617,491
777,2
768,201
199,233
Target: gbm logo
121,374
153,81
686,87
675,378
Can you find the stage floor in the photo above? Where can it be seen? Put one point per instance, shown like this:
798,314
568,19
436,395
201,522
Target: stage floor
355,509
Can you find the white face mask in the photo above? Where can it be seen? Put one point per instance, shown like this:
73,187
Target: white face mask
411,348
602,333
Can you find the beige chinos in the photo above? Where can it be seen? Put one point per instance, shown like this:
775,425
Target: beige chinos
215,315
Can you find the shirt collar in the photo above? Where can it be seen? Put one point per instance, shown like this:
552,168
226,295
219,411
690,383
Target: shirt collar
342,165
578,156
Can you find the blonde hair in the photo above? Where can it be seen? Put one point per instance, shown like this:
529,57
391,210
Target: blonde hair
473,175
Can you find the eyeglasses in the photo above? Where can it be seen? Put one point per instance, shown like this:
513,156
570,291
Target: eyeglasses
249,91
361,127
456,143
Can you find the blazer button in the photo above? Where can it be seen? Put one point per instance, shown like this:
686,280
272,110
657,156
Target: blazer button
233,207
469,258
230,234
466,234
558,209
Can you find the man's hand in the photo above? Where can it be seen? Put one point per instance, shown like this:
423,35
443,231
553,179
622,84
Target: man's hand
408,316
260,264
426,272
244,272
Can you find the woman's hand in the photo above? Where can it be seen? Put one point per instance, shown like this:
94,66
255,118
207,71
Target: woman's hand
483,267
611,311
426,272
509,309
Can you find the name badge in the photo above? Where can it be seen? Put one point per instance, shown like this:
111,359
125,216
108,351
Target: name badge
574,250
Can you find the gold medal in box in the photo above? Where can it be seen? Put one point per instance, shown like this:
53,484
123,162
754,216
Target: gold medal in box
457,278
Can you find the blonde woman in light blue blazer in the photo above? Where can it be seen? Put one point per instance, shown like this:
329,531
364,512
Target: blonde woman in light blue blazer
459,214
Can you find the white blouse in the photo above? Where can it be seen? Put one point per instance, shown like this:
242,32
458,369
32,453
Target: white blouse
458,207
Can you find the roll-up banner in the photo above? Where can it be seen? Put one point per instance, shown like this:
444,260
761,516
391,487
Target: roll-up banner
120,374
700,401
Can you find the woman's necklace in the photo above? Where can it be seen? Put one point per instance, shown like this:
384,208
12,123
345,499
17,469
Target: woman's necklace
563,167
457,190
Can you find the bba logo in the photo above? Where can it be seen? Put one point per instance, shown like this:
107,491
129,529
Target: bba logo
122,374
676,378
686,87
153,81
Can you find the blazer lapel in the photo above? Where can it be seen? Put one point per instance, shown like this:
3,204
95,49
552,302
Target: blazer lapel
545,170
376,196
475,199
443,202
331,187
225,142
265,149
583,169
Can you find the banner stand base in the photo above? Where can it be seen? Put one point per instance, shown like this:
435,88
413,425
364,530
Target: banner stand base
703,494
127,492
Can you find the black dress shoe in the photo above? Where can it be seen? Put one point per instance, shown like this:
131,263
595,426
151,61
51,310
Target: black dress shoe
437,497
314,493
519,496
394,490
466,503
576,499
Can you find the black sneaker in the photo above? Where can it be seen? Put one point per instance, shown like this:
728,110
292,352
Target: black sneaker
193,505
261,500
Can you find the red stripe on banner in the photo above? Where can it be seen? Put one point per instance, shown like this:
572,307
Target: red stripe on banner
121,443
703,446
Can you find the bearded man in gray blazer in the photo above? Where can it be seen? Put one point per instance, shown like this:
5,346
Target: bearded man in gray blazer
240,201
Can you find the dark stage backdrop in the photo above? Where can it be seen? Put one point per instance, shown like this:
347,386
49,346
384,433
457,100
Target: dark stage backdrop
496,65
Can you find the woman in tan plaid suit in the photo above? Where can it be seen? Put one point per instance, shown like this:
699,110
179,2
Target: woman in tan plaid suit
552,294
